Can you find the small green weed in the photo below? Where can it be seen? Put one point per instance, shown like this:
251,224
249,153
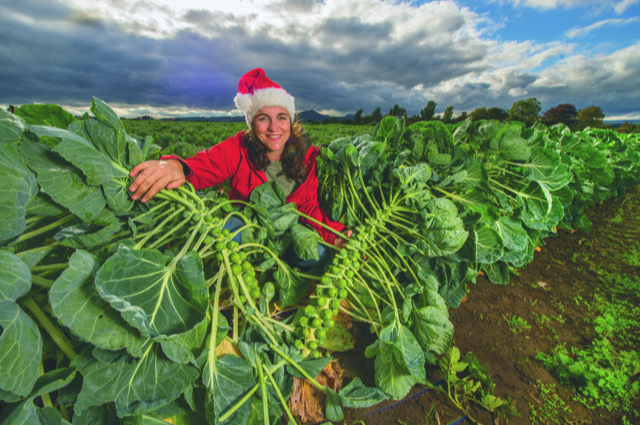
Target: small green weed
551,409
558,305
601,375
633,257
517,324
476,386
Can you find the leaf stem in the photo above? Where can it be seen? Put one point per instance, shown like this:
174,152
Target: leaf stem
282,400
46,228
54,331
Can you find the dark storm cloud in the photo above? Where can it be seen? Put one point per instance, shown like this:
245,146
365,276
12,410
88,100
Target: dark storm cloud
70,62
58,55
298,6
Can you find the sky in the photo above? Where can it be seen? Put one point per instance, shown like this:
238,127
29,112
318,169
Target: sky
184,58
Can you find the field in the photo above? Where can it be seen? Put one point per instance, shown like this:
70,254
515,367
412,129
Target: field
497,262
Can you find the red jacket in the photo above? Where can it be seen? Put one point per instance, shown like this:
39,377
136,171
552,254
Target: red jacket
229,160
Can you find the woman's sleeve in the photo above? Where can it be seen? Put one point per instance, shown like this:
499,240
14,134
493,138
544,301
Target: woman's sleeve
212,166
309,204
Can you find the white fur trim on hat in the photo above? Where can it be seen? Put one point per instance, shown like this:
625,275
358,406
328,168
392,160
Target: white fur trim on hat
251,104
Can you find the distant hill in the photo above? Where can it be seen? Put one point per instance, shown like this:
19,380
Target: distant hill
313,116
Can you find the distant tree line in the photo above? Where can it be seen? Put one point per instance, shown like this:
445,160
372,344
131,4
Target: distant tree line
526,111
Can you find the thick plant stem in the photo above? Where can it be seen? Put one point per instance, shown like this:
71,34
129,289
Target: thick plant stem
353,189
324,226
46,228
161,226
151,210
214,329
54,332
263,387
46,399
249,394
239,404
41,281
282,400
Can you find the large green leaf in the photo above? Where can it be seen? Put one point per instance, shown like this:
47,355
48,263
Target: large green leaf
512,147
49,115
536,199
15,280
511,232
106,140
105,114
269,195
27,413
11,127
291,287
63,182
546,168
432,327
42,204
118,197
20,352
90,235
232,379
358,396
497,272
399,363
547,222
135,385
181,348
104,414
77,305
273,211
18,188
489,245
96,166
305,242
430,316
390,129
443,229
158,296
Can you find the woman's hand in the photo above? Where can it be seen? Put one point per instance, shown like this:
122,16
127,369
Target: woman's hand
153,176
342,242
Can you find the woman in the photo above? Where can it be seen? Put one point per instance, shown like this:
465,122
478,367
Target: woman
274,148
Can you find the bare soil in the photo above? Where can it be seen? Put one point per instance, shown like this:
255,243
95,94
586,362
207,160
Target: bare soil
560,283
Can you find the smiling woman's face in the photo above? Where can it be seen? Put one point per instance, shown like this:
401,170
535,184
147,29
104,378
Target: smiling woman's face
273,128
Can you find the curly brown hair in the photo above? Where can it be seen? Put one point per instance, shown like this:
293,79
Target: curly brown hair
292,158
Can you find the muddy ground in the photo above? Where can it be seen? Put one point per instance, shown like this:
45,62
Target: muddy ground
560,283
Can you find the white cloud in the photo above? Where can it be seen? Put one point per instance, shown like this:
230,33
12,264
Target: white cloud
582,31
622,6
618,6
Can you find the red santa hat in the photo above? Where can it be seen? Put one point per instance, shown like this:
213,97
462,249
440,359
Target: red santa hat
255,91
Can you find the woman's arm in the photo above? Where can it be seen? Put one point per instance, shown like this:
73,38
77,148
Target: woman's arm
205,169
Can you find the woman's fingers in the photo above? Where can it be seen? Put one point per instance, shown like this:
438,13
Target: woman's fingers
342,242
153,176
